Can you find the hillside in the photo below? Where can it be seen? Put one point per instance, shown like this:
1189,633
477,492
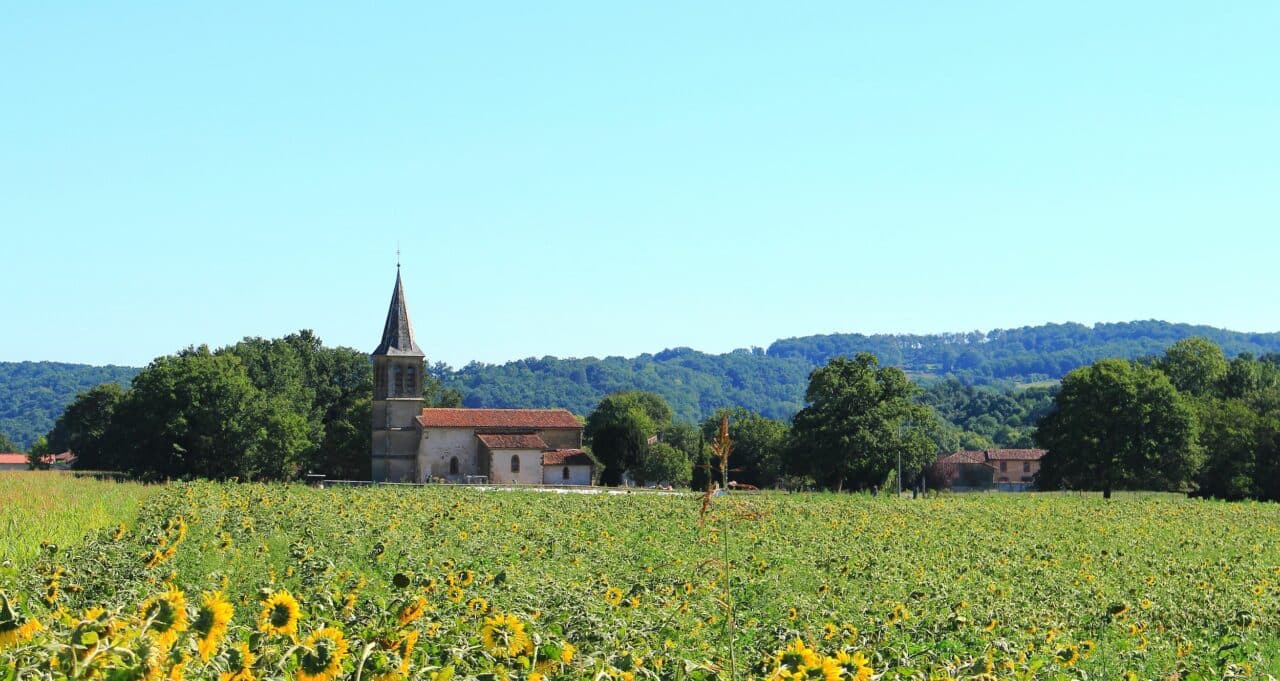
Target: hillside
772,381
768,381
33,394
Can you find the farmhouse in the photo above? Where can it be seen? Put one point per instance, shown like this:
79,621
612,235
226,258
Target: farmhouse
1013,469
413,443
17,461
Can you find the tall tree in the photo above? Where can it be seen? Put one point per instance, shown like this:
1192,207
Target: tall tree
860,418
7,445
83,426
758,444
1119,425
1195,366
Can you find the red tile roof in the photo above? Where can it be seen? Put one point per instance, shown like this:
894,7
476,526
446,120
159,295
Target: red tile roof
13,457
501,441
440,417
566,457
964,456
1015,454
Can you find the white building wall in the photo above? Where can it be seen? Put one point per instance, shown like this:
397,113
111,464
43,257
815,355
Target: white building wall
554,475
530,472
439,445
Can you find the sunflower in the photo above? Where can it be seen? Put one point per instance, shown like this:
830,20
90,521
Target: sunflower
855,665
279,614
412,612
566,652
166,614
455,594
477,606
322,655
504,636
13,627
211,621
466,577
239,664
613,595
796,658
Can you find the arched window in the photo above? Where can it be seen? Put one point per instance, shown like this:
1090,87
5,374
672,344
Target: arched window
453,466
515,463
564,474
399,373
411,383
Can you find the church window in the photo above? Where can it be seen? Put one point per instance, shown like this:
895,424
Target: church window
411,382
515,463
399,381
453,466
564,474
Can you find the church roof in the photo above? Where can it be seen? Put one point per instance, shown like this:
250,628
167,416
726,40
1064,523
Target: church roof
443,417
397,333
510,441
566,457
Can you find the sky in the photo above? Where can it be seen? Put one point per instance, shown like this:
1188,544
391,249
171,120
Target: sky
592,179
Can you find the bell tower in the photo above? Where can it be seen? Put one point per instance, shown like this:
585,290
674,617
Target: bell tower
397,395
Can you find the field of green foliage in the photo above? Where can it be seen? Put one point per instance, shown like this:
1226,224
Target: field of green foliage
58,508
225,581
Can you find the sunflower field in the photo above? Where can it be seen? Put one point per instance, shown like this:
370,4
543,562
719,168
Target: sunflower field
245,581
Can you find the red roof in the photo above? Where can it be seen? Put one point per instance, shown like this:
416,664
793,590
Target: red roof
502,441
12,458
566,457
440,417
1015,454
964,456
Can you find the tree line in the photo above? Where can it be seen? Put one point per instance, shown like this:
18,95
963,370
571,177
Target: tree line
1188,420
991,367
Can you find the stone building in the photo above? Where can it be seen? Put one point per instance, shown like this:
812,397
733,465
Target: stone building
412,443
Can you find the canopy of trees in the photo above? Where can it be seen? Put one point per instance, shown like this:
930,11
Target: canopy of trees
767,382
260,409
861,419
1187,420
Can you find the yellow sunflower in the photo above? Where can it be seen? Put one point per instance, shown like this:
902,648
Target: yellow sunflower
322,655
477,606
504,635
166,615
613,595
212,618
14,627
279,614
855,665
240,662
412,612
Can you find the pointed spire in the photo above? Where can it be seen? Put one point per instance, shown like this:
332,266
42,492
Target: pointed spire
397,333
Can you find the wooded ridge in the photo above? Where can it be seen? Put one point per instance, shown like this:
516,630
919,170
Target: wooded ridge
769,381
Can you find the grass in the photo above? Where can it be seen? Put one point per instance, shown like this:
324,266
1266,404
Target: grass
54,507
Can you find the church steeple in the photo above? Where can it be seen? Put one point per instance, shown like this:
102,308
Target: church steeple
397,333
398,373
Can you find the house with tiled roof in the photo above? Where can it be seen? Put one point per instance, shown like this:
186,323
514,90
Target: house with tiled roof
413,443
1008,469
17,461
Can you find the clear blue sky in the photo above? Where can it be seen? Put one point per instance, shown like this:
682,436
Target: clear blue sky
598,179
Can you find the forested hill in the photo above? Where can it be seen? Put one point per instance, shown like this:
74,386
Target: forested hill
772,382
768,381
33,394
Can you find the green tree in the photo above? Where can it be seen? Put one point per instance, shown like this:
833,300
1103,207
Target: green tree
83,426
198,414
619,429
1119,425
1195,366
758,445
661,462
859,419
7,445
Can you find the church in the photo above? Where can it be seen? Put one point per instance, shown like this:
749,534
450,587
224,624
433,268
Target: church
415,443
